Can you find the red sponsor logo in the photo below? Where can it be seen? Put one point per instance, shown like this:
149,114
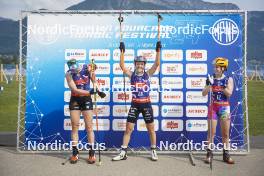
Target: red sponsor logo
68,124
172,96
101,82
197,111
172,125
120,110
197,83
99,54
196,55
123,96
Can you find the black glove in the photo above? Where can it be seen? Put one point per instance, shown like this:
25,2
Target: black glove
208,83
225,83
101,94
122,47
209,80
158,46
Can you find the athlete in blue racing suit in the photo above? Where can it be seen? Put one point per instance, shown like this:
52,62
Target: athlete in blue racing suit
78,79
140,100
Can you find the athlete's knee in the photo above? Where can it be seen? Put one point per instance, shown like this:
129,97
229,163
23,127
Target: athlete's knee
150,126
225,135
128,130
89,128
75,125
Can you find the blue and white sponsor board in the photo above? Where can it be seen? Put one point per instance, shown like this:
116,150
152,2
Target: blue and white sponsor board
190,43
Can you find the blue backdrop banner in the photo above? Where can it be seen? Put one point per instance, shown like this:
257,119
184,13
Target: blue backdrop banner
190,43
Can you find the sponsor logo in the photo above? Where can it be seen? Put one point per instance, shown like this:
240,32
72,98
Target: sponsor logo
120,97
103,82
172,111
67,96
103,125
172,82
196,55
103,69
196,69
103,110
195,97
128,56
118,82
141,126
172,69
225,31
99,54
119,124
154,96
195,82
150,55
196,111
66,110
171,125
67,124
172,55
196,125
117,69
120,110
172,96
78,54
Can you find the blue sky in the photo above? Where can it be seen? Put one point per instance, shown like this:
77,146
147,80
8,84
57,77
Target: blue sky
11,8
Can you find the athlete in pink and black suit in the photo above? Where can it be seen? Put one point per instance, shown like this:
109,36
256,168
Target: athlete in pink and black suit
140,100
78,79
222,88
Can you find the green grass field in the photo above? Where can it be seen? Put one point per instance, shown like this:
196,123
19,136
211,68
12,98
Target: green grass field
9,101
8,106
256,107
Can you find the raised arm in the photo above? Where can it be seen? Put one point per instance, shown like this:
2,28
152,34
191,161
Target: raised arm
122,60
156,64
